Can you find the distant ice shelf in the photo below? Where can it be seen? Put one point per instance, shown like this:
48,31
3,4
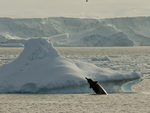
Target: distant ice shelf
129,31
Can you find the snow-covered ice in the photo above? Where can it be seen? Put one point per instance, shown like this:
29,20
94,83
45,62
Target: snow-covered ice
41,69
63,31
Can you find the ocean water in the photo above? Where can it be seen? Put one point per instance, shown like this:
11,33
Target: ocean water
115,58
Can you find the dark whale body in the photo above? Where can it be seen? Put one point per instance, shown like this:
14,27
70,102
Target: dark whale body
98,89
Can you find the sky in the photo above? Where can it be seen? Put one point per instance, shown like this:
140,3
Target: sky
74,8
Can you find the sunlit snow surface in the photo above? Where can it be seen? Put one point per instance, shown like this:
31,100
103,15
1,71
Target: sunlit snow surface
41,69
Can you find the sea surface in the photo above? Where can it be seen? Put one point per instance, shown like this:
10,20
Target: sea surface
115,58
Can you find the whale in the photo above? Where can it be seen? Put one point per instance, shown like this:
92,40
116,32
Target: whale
97,88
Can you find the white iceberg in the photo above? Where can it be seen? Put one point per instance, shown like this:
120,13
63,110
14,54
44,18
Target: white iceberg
41,69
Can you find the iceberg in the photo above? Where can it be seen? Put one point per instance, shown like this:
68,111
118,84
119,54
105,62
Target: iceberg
41,69
67,31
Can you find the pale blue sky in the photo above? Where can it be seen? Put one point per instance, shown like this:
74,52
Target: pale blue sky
74,8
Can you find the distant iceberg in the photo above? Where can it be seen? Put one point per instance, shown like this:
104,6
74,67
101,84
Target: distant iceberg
63,31
41,69
96,40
